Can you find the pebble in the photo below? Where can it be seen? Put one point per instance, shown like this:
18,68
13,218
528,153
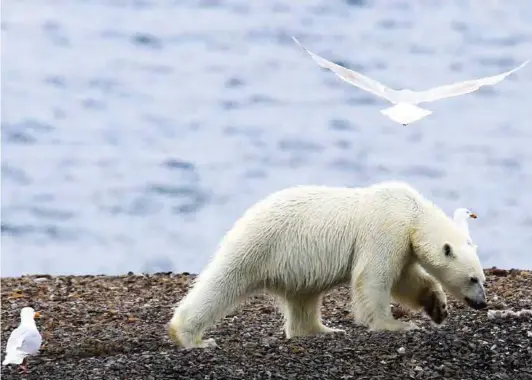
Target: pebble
401,350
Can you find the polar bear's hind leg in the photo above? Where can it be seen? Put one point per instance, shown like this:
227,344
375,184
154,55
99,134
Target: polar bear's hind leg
215,293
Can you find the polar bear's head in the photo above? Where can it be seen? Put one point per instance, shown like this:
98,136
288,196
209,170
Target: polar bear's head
451,257
462,275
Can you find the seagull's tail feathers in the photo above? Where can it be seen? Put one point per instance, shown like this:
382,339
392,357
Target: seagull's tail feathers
13,359
405,113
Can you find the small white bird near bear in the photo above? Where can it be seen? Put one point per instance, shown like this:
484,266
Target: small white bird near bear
386,240
461,217
405,110
24,341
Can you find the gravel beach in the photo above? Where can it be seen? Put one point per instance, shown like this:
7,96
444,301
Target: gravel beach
105,327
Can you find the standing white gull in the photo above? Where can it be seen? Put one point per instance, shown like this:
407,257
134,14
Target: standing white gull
461,216
405,110
25,340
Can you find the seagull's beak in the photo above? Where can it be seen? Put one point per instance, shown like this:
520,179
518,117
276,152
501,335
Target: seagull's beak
473,215
37,315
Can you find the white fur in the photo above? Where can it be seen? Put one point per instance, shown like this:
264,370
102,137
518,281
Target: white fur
301,242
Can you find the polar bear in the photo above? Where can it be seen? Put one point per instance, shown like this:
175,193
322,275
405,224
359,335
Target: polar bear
386,240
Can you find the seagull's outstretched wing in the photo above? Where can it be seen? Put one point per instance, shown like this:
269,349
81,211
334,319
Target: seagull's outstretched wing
353,77
460,88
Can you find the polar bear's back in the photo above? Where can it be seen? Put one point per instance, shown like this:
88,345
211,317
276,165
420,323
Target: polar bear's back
310,235
301,210
325,207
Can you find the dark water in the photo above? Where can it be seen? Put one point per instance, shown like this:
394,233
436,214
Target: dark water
134,133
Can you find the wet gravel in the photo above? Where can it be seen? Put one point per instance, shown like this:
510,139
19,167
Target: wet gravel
102,327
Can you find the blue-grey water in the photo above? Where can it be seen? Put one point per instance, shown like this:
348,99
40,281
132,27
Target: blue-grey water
135,132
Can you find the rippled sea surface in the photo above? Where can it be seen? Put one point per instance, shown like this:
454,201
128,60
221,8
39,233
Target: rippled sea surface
134,133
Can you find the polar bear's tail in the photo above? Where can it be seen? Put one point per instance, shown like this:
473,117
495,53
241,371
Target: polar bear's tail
215,291
404,113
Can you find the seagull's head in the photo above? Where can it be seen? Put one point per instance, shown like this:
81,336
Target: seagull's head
464,214
28,313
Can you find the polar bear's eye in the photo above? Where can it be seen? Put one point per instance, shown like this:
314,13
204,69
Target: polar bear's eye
447,250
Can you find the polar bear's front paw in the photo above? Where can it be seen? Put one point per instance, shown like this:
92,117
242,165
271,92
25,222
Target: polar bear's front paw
393,325
435,305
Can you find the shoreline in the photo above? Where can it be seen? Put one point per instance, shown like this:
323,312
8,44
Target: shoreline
114,327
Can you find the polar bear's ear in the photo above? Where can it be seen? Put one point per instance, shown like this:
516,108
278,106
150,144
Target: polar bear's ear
448,250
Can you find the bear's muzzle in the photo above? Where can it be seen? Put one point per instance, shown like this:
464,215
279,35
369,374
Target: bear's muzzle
476,304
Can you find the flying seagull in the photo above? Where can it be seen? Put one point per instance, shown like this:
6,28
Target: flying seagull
405,110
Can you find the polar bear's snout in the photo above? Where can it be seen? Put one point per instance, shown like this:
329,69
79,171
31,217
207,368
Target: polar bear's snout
478,300
476,304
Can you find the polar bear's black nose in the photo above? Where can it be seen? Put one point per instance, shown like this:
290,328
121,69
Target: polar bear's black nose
477,305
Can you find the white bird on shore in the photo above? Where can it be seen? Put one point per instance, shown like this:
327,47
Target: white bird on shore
461,216
24,341
405,110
